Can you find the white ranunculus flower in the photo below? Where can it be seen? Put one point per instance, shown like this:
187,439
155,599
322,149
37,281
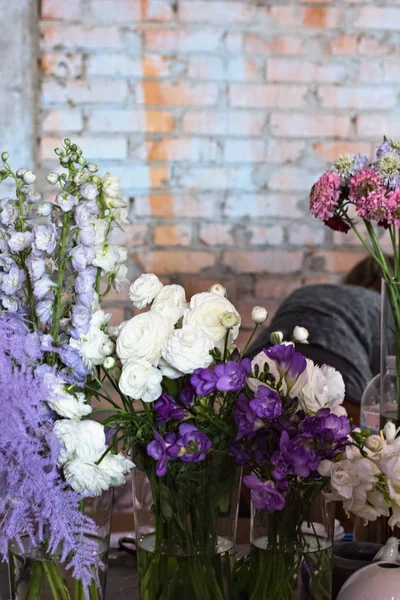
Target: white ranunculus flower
375,443
259,314
300,335
143,291
320,387
140,380
86,477
68,406
341,476
276,337
334,382
170,302
168,370
230,320
142,337
218,289
206,311
188,349
116,466
80,439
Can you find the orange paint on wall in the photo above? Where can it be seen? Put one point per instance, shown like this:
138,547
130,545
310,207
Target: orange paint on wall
152,95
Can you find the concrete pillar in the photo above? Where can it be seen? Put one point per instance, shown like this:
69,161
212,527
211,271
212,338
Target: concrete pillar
19,40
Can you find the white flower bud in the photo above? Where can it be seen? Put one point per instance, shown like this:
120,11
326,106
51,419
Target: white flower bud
52,178
300,335
109,363
108,348
29,177
4,156
259,314
20,173
92,168
219,289
276,337
390,431
374,443
230,320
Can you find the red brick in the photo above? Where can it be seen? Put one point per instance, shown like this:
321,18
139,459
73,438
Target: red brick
329,151
176,94
62,65
62,120
134,234
216,234
271,151
291,178
362,98
82,92
177,40
183,205
343,45
313,17
302,234
374,47
211,68
264,235
237,206
93,147
217,178
375,125
196,285
340,262
263,261
274,287
125,11
246,95
192,149
164,263
224,122
350,45
378,17
380,72
56,9
309,125
78,36
219,12
281,69
251,43
245,69
172,235
134,120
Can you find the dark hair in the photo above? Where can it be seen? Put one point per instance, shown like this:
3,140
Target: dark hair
367,273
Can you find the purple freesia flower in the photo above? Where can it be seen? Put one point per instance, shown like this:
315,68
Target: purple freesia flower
295,456
158,449
327,427
232,376
244,417
203,381
186,395
239,454
167,410
264,494
192,445
290,364
267,403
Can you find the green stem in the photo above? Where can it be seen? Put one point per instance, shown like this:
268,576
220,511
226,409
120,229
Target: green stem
58,582
36,581
60,278
250,339
52,585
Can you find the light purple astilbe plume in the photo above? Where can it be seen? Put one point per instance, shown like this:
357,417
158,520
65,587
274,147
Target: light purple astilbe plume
34,500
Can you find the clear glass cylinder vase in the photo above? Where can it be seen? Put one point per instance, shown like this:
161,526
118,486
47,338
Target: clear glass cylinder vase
390,353
36,575
291,549
185,525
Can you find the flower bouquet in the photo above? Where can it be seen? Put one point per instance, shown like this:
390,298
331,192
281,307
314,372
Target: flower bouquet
355,190
178,358
303,451
53,338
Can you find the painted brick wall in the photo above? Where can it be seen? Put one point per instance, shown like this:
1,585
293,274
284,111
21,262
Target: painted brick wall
218,116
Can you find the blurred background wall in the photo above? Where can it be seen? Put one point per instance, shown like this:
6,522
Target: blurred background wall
218,116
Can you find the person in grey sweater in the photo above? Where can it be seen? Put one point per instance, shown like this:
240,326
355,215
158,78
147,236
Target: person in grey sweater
343,322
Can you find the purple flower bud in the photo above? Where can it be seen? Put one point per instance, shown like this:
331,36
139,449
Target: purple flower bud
186,395
290,364
158,449
244,417
167,410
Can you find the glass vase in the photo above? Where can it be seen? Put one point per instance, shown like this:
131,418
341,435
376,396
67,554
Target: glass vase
291,549
390,353
36,575
185,525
